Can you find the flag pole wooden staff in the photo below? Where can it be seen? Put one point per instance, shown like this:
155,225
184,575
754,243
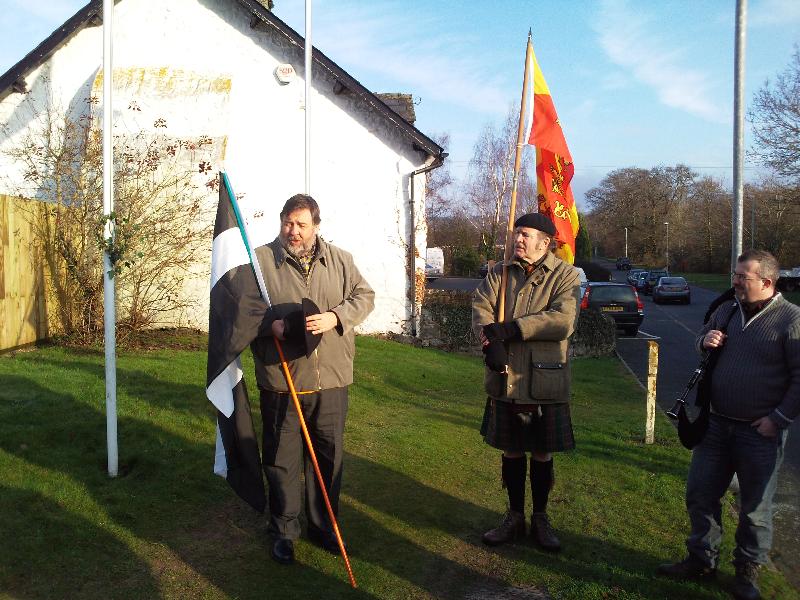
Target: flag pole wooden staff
501,305
313,455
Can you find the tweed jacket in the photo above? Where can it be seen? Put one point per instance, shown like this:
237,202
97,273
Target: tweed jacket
335,285
544,305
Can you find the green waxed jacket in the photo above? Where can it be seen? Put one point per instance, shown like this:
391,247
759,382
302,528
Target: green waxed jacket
545,308
335,285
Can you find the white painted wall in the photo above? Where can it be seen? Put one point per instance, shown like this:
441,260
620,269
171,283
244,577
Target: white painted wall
167,57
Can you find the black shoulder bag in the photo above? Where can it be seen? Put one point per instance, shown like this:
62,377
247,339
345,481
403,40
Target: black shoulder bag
692,433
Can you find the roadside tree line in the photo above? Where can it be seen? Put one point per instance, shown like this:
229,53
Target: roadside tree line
469,219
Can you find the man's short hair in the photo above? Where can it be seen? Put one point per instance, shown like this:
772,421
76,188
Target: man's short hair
299,202
767,264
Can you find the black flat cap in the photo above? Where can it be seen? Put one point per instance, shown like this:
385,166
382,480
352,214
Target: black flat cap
536,221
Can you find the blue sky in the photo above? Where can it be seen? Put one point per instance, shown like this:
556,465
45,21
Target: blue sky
635,83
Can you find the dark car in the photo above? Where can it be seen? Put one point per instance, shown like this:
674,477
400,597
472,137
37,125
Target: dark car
641,281
652,279
623,262
617,300
633,276
672,289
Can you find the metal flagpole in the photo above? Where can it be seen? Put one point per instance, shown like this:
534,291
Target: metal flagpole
501,305
738,131
109,304
262,287
308,50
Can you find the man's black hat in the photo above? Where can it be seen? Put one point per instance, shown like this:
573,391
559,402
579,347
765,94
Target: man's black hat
537,221
295,326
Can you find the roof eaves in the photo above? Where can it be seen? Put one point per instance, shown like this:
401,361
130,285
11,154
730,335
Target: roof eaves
421,141
13,80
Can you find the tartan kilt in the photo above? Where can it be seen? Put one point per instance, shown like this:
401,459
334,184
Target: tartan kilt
518,427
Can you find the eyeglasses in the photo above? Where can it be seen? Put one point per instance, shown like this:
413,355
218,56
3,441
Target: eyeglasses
741,277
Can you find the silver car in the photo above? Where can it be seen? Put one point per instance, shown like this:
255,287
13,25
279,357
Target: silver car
672,289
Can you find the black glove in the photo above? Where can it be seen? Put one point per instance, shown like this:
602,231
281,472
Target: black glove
504,332
294,326
495,356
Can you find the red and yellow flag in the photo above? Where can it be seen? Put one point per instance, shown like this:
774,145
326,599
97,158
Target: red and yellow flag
554,168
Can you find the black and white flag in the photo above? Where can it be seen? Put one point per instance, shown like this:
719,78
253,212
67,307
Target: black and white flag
236,312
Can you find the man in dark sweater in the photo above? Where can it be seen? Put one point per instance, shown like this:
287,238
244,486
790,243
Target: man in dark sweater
755,395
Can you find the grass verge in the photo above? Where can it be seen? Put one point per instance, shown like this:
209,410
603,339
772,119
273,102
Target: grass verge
419,488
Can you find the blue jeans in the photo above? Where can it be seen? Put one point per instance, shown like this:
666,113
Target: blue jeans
733,447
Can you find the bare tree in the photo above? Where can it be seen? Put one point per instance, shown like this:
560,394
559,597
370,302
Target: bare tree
487,191
161,221
438,199
775,114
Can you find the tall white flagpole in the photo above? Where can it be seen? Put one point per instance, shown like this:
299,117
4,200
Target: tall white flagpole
109,310
308,49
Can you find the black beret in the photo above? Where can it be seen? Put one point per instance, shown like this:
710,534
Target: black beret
536,221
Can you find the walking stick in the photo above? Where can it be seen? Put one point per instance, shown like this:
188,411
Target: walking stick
307,437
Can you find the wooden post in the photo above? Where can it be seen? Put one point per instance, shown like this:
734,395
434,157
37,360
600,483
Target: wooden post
652,374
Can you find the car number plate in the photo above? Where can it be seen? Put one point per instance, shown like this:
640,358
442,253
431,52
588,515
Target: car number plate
611,308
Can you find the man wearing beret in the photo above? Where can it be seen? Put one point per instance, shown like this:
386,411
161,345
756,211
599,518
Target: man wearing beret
527,376
318,297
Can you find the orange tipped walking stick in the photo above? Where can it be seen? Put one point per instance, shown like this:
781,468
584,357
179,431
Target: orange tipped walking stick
313,455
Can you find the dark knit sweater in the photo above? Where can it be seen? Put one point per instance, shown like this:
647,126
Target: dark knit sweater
758,371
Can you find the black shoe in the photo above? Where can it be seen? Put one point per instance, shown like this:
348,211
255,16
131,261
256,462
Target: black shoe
511,528
325,540
746,585
543,533
283,551
689,568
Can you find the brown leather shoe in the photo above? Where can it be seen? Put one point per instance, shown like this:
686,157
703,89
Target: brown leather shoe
746,585
689,568
543,533
511,528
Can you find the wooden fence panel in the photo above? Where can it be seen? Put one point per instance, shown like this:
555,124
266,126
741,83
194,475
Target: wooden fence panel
23,308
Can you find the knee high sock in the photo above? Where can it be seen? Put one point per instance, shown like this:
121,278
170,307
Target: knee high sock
542,479
514,480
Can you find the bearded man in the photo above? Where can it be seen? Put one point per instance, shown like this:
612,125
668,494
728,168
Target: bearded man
527,375
299,266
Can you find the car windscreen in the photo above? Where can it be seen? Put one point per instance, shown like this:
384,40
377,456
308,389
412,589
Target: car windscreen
672,281
612,293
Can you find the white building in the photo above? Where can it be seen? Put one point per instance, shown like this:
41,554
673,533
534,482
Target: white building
208,68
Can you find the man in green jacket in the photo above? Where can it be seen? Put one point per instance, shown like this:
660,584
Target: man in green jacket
299,264
527,375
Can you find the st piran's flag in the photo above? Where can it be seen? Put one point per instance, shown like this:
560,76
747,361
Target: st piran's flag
236,312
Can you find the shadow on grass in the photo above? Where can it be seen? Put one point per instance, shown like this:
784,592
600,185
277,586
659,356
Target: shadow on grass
428,516
45,554
166,499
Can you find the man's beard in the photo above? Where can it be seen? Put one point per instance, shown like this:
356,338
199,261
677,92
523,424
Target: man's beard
301,251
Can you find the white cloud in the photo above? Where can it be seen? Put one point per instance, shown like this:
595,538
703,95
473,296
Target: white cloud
632,41
394,44
774,12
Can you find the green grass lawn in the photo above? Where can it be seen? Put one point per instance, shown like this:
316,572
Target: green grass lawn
420,487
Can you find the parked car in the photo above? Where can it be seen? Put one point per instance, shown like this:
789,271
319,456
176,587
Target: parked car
619,301
652,279
623,262
633,276
641,281
672,289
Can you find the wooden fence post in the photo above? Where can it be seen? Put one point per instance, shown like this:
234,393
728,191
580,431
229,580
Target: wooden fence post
652,373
